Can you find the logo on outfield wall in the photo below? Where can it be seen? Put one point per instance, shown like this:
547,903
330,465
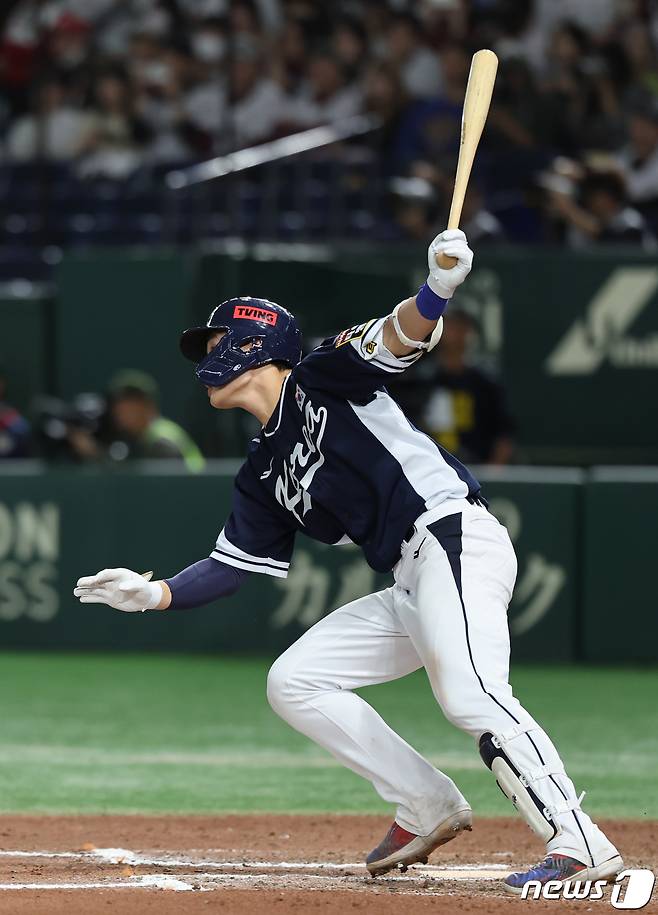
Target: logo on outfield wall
481,298
312,588
540,581
603,334
315,587
29,551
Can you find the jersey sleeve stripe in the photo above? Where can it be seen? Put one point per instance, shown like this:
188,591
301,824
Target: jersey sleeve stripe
228,551
263,567
225,544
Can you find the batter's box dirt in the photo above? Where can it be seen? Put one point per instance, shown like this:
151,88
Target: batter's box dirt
260,865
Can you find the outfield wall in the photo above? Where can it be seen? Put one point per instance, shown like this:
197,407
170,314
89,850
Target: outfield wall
574,336
586,543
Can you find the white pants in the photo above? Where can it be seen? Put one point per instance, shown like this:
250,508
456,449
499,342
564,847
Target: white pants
446,612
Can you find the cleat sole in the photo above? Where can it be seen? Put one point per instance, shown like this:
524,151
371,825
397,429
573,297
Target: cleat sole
418,850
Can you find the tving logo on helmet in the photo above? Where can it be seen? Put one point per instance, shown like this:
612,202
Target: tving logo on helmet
256,314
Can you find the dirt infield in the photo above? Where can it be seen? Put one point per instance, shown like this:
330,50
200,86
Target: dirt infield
267,864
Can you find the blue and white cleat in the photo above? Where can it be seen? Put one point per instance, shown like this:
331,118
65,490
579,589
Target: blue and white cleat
563,868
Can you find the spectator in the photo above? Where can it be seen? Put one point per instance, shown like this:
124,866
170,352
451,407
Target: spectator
115,137
386,99
415,207
69,49
601,215
639,160
54,130
523,117
208,41
479,224
349,44
325,96
460,406
245,20
578,87
160,106
14,429
431,126
136,419
418,65
19,53
257,104
137,430
289,63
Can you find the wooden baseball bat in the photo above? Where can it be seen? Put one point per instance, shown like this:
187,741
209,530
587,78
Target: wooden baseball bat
479,90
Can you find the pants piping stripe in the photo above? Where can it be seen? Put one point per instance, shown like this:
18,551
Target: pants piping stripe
448,532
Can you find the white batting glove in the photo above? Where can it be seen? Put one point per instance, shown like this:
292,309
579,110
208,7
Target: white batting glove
453,243
121,589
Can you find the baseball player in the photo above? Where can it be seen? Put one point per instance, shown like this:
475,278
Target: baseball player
337,459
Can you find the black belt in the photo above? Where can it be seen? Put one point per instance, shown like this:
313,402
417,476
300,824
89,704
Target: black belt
474,499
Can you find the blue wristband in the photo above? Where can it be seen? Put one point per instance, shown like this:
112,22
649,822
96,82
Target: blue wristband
429,304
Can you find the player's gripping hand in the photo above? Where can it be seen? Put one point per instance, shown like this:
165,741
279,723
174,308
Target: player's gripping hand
121,589
453,243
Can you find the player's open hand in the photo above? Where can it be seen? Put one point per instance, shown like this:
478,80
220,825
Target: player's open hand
453,243
121,589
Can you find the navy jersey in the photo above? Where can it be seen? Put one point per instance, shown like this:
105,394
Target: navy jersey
339,461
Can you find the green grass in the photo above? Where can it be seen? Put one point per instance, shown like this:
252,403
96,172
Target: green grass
110,733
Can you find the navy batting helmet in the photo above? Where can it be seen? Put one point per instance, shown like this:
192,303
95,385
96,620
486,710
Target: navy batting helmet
270,328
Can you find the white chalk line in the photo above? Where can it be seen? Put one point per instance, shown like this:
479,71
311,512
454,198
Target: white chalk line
128,857
212,875
206,882
146,882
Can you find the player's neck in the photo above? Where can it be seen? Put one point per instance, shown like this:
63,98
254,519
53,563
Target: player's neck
262,395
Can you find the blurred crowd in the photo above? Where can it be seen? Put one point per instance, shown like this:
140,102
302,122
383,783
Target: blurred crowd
570,152
123,423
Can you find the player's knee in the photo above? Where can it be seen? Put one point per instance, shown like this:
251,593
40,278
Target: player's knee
281,692
464,712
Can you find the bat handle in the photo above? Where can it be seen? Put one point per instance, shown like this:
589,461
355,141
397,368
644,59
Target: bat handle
445,261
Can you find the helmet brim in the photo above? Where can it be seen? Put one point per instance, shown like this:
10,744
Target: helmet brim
193,342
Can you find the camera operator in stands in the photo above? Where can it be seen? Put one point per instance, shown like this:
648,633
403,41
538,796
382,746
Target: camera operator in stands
14,428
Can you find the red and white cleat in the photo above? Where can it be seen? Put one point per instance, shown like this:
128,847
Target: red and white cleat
400,848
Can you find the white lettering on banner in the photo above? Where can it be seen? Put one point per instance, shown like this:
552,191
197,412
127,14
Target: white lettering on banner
305,460
537,590
540,582
310,592
29,550
600,335
305,593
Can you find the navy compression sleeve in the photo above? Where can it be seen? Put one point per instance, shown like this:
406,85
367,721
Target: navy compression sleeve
203,582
